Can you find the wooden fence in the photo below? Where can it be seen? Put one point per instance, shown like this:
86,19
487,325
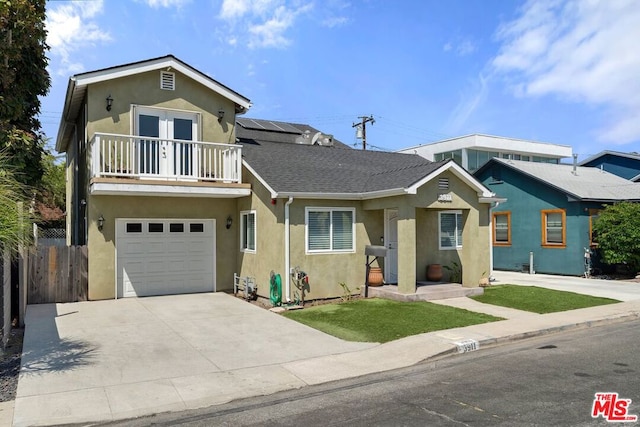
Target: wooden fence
57,274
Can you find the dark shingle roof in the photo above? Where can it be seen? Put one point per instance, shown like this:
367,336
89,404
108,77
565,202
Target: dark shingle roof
298,168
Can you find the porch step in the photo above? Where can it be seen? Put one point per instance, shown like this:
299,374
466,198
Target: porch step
424,292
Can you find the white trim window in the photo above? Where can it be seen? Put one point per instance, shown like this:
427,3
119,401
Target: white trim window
248,231
450,230
330,230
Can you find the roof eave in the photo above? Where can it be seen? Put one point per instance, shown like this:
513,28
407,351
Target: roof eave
492,199
159,63
78,81
458,171
343,196
61,145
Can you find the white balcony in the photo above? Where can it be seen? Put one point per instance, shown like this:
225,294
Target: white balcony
129,164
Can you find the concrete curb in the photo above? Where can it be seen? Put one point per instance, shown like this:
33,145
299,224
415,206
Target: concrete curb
496,341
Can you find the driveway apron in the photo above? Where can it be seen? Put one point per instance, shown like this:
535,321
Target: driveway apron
114,359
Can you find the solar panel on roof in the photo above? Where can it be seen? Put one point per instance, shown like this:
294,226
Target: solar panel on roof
268,125
285,127
256,124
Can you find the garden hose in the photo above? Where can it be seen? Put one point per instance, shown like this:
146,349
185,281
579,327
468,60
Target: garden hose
276,290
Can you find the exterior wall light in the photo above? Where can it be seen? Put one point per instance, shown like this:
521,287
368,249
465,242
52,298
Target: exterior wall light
229,222
100,223
109,102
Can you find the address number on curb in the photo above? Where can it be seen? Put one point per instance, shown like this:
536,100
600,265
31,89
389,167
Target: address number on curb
467,345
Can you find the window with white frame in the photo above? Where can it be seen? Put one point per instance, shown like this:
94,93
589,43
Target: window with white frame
450,230
248,231
330,229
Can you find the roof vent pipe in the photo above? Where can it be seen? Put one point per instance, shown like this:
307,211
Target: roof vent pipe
575,164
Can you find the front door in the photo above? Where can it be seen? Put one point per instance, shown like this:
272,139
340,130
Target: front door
164,153
391,242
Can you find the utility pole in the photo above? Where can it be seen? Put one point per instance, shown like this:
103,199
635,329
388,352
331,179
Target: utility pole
362,127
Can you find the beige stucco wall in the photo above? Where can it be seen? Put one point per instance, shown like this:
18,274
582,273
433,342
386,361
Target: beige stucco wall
326,271
418,219
101,245
144,90
417,238
269,254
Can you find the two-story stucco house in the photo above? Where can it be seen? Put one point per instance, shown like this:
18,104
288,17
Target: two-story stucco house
173,193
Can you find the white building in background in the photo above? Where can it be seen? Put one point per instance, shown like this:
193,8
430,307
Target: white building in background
472,151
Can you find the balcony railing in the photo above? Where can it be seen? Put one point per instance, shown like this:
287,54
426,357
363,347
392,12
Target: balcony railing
130,156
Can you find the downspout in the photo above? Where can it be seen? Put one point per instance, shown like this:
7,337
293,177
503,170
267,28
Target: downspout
491,207
287,260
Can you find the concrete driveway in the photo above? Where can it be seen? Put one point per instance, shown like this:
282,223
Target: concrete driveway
616,289
115,359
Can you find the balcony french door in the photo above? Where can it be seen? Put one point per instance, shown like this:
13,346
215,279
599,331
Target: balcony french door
165,155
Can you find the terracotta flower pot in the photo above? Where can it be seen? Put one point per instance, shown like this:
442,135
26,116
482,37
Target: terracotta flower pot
434,272
375,276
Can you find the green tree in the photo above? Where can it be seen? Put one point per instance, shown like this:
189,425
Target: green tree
23,78
50,204
617,232
15,214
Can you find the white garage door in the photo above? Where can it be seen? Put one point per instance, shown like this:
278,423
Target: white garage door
164,256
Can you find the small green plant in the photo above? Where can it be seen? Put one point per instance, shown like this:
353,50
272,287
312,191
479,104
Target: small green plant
346,292
484,280
455,272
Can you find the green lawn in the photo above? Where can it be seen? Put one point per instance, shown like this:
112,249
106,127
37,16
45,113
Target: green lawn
380,320
538,300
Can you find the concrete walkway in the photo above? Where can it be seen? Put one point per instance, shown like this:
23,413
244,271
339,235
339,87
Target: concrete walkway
110,360
616,289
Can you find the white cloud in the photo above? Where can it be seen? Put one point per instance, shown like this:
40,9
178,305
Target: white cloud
465,48
461,47
581,51
271,32
232,9
335,21
71,28
166,3
266,22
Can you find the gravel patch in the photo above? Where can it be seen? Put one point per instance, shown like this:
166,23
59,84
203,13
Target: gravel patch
10,365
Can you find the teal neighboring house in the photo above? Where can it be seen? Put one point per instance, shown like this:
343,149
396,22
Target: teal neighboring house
625,165
549,212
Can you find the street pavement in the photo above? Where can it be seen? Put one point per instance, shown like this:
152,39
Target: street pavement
109,360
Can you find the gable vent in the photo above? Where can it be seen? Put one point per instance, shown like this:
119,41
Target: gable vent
443,184
167,80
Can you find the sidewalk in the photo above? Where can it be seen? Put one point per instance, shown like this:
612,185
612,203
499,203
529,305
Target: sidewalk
197,386
417,348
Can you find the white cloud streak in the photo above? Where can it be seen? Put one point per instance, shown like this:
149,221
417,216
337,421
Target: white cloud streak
468,104
462,47
581,51
166,3
265,21
71,28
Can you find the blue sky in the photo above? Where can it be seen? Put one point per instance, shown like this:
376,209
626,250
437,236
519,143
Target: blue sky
565,72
